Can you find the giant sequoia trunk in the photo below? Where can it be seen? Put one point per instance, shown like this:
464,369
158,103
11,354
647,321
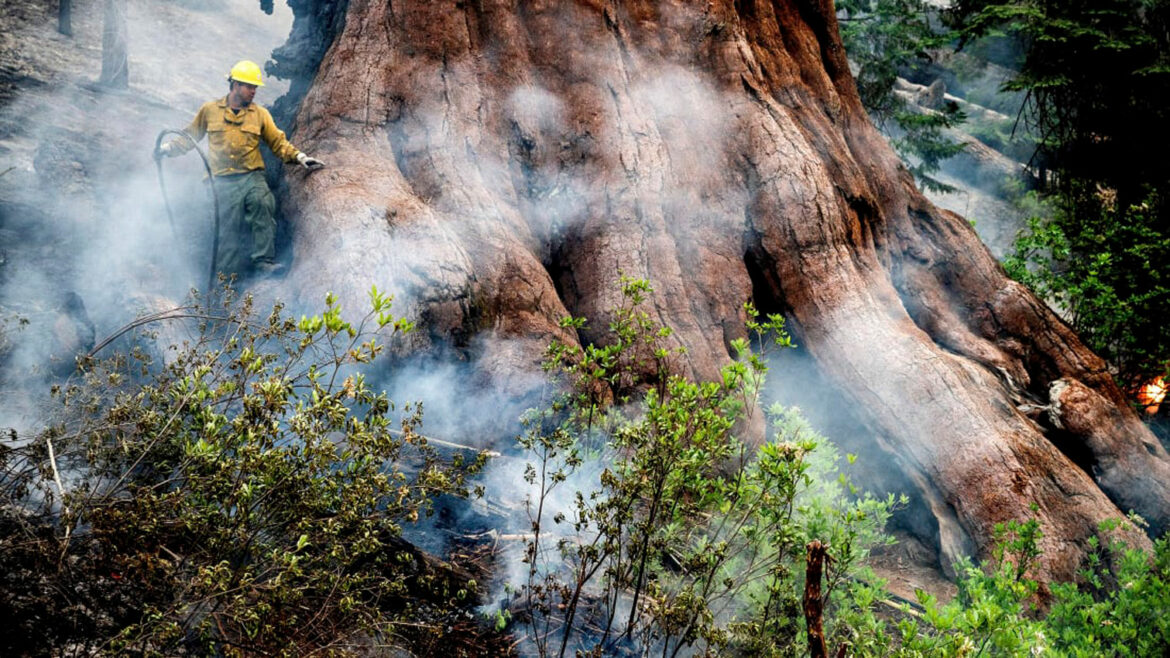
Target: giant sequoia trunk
499,164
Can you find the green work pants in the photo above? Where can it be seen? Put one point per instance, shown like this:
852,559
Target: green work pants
247,227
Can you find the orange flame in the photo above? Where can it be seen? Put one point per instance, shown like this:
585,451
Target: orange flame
1151,395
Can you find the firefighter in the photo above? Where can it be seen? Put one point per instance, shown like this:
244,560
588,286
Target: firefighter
235,126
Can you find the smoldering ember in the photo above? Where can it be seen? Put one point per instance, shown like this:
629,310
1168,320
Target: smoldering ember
543,328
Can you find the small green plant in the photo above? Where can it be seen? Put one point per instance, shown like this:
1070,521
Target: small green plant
245,497
678,537
1116,608
990,615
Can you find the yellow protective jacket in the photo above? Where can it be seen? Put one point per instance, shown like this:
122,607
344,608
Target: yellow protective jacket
234,137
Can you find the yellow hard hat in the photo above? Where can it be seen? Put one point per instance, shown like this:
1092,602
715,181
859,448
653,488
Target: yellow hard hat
247,72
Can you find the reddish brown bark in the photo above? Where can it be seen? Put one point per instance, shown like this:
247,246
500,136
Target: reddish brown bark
499,164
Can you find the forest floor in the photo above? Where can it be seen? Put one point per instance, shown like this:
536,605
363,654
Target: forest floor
179,50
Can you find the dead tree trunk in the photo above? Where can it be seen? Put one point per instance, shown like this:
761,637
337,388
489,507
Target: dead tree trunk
814,607
115,57
500,164
65,17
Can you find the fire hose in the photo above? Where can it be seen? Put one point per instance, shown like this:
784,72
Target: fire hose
214,199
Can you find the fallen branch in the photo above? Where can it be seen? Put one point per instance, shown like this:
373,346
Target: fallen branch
522,537
172,314
61,492
449,444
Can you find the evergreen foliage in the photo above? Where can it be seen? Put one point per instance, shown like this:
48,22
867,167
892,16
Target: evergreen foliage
1096,74
881,38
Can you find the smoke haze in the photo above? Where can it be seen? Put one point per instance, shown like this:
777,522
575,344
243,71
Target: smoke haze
101,230
84,233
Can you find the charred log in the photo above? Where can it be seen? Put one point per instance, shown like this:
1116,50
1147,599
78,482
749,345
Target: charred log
814,607
65,17
315,25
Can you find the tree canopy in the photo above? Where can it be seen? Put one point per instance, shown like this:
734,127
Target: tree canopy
1096,74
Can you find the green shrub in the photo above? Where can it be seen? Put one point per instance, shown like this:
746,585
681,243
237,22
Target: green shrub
1117,607
679,538
1106,272
244,497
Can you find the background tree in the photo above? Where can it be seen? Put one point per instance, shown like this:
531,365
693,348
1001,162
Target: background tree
65,17
882,38
1095,74
115,58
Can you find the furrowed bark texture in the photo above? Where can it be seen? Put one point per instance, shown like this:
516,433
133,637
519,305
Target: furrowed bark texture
499,164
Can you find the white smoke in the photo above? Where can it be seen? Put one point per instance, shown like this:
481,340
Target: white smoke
82,218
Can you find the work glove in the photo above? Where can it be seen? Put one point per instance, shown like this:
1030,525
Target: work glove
308,162
165,151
